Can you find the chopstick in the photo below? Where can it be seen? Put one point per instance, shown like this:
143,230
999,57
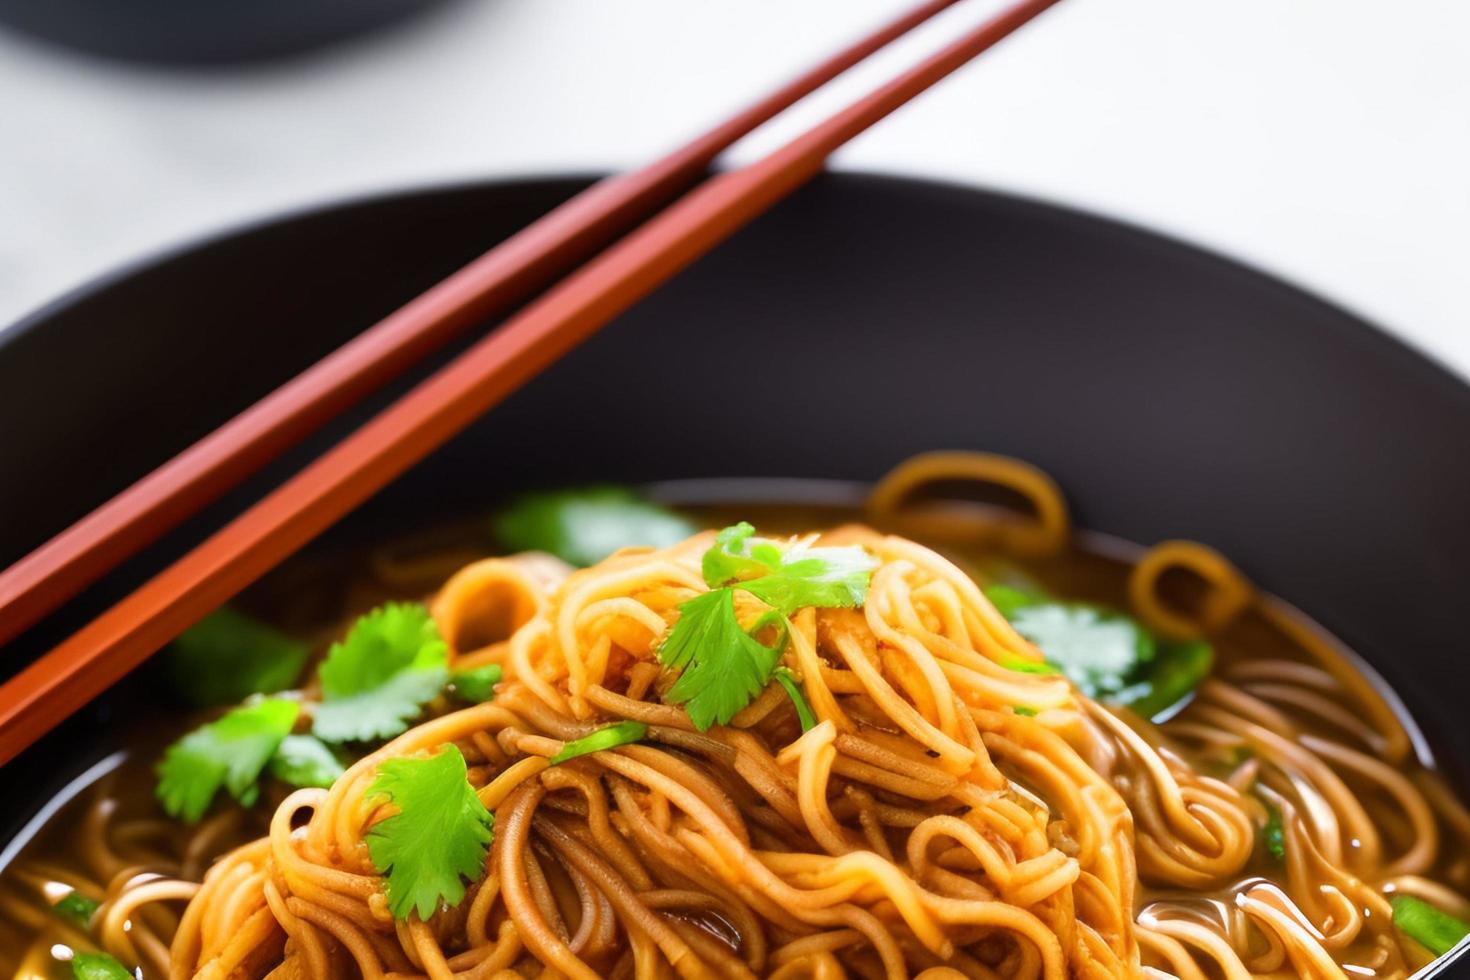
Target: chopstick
94,658
503,276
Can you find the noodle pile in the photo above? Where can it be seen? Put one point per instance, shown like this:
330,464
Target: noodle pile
922,828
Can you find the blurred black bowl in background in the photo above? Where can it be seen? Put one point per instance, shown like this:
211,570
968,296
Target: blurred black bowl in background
202,32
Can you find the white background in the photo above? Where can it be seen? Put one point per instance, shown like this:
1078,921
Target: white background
1326,140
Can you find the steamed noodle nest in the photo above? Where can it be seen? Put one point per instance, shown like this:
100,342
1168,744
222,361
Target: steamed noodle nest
921,828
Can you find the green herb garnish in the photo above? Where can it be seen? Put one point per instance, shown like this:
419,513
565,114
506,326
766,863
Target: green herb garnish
724,666
1273,835
619,733
438,838
76,907
791,579
228,656
476,685
1024,711
304,760
1439,932
787,679
1108,655
98,966
230,752
378,679
584,526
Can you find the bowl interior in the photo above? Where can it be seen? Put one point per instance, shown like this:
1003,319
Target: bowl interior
1172,393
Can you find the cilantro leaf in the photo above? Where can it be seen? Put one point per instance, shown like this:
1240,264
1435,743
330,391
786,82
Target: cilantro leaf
1106,654
229,752
476,685
76,907
1165,683
436,840
583,526
608,737
98,966
304,760
379,678
799,577
1439,932
1097,649
1024,711
724,666
228,656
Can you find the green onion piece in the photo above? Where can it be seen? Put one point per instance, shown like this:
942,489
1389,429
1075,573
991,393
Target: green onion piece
98,966
1436,931
788,681
1009,600
1028,666
76,907
621,733
1024,711
1273,835
476,685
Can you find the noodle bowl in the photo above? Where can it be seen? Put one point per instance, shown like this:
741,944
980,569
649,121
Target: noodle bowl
953,810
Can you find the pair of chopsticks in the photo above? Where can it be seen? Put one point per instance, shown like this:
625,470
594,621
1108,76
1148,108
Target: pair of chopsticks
90,661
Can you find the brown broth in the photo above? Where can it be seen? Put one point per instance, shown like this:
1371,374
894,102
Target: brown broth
313,597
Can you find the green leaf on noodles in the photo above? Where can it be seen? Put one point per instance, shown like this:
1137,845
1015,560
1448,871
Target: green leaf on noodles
788,579
583,526
475,686
438,838
228,656
76,907
1097,649
1024,711
788,681
98,966
230,752
1108,655
1168,680
724,666
377,680
1008,600
304,760
609,737
1438,932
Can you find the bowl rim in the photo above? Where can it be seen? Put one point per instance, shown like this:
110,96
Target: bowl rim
1432,368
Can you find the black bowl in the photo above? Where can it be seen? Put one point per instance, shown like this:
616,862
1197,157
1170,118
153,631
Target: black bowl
202,34
1171,392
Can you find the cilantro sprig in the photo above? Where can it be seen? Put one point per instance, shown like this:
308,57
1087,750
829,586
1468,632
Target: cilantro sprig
377,680
723,664
1107,654
228,656
791,579
584,525
304,760
229,753
438,838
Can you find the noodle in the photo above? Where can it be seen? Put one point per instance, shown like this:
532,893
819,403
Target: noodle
922,827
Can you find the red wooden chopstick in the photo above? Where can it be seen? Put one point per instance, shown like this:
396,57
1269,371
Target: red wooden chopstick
90,661
503,276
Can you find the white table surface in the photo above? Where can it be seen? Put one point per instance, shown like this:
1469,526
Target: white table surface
1325,140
